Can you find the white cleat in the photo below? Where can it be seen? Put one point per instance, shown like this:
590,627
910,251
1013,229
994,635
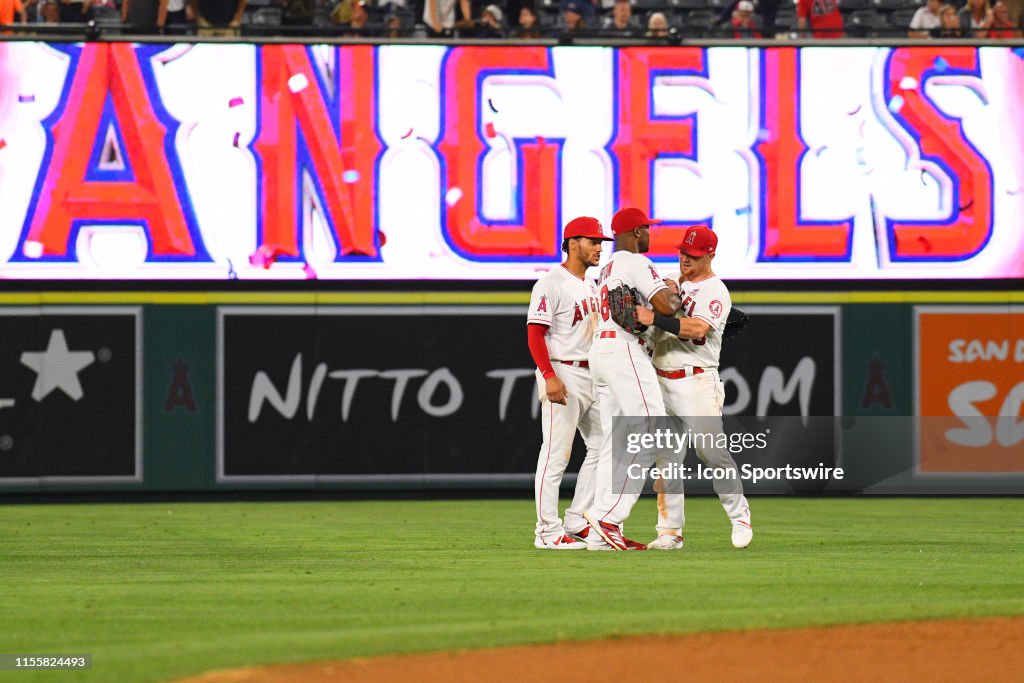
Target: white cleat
666,542
563,542
742,534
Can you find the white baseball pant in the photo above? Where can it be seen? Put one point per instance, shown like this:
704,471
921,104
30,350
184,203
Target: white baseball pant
559,424
626,386
698,400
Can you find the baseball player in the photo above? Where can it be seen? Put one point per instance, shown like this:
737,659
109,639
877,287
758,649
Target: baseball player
686,363
623,374
560,326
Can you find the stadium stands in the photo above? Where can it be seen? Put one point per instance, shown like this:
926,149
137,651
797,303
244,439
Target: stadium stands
403,18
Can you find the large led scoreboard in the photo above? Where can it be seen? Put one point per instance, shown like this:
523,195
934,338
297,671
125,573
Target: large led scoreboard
120,160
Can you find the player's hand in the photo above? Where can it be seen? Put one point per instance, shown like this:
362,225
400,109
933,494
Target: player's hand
644,316
672,285
556,390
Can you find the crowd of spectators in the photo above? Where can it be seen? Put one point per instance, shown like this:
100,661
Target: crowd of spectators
531,19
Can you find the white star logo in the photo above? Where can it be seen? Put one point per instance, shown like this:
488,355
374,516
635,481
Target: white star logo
57,368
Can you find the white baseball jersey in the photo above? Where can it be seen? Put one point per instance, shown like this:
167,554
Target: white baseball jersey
708,300
634,270
568,306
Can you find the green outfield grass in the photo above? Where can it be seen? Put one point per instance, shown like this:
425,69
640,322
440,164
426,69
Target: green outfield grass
156,591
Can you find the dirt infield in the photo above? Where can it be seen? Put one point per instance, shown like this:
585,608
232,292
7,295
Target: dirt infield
969,650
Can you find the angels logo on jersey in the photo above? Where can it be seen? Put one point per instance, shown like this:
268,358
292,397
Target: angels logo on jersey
542,307
716,308
654,273
582,309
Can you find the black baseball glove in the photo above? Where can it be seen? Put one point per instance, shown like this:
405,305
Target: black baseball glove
622,303
735,323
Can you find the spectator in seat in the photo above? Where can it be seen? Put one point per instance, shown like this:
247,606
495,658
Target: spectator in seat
106,9
9,8
49,12
822,17
926,20
358,21
393,26
143,16
743,25
342,13
1000,25
218,18
577,15
488,25
527,27
974,18
950,22
621,22
657,25
178,17
439,16
297,12
74,11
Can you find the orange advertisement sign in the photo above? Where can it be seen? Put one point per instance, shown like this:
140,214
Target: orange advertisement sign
969,389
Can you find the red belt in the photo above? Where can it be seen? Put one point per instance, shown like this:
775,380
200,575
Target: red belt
677,374
612,334
576,363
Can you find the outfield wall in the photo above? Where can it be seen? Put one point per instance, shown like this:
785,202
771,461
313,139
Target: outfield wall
206,390
419,166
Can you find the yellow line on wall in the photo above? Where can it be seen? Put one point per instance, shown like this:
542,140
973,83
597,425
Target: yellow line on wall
475,298
951,297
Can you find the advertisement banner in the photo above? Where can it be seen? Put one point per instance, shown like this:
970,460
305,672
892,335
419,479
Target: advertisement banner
342,394
968,371
211,161
70,395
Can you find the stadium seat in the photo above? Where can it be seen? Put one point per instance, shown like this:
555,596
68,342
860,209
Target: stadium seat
895,4
646,5
785,20
108,23
855,5
322,17
864,23
900,19
690,4
264,16
699,21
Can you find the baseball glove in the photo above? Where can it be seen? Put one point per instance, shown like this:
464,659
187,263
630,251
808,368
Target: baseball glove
735,323
622,303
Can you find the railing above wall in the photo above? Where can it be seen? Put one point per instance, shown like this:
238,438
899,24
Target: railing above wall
412,35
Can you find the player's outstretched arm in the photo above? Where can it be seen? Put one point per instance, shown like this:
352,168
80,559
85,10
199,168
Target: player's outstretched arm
684,328
665,302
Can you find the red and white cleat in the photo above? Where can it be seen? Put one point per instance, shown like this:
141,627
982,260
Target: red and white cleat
563,542
742,534
612,535
666,542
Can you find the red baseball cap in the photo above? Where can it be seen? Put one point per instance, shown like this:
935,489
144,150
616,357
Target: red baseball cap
698,241
630,218
584,226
